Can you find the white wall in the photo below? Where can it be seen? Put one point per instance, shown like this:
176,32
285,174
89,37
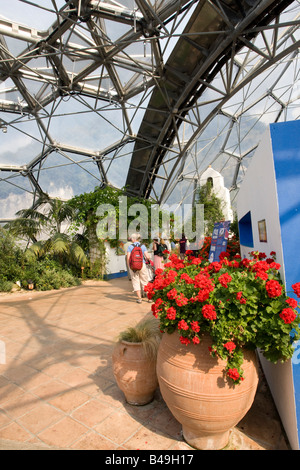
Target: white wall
219,190
115,263
258,194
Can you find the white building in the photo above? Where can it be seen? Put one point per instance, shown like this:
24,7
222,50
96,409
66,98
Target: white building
219,190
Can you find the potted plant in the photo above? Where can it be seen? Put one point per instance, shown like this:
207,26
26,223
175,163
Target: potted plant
134,361
216,315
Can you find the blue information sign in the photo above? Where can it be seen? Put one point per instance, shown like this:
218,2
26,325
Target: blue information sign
219,240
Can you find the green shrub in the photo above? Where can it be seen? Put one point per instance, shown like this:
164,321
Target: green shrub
6,286
52,279
48,274
15,265
11,259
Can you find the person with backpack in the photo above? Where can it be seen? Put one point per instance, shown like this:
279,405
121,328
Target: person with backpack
137,255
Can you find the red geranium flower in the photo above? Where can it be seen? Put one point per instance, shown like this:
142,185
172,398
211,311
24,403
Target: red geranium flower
239,296
230,346
203,295
197,261
171,313
154,310
224,254
273,288
195,326
181,300
292,302
172,294
184,340
182,325
233,374
158,302
209,312
215,266
296,288
288,315
224,279
263,275
186,278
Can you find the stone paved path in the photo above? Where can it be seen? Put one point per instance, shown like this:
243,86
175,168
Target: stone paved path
57,389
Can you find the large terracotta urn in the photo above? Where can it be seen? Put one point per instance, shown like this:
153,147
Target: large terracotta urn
134,372
200,397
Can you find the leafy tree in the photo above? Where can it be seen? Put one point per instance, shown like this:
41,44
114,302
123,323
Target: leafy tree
42,224
86,218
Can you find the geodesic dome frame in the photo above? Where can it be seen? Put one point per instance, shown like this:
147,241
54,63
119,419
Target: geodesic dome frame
142,94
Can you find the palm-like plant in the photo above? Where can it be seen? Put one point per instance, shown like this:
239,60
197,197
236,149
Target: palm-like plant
45,221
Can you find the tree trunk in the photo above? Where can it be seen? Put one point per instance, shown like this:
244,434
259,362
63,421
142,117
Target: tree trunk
97,253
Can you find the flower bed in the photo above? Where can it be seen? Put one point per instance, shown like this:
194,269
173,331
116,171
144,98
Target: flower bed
241,303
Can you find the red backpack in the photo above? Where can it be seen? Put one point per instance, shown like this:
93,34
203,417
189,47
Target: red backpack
136,258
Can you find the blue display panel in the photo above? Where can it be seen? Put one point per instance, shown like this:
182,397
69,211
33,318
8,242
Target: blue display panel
219,240
286,154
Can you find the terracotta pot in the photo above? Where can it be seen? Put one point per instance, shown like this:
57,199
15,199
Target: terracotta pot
195,390
134,372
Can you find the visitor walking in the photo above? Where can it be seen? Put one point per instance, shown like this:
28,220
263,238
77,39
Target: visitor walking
158,248
137,255
126,245
182,246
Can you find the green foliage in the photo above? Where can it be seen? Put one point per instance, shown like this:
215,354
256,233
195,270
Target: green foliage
86,205
48,274
72,248
47,216
97,269
11,261
31,222
6,286
213,206
234,227
17,265
59,246
146,332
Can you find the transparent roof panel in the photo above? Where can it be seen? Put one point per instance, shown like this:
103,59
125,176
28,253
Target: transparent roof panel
83,123
14,183
16,193
36,14
61,177
143,94
116,160
13,203
21,139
